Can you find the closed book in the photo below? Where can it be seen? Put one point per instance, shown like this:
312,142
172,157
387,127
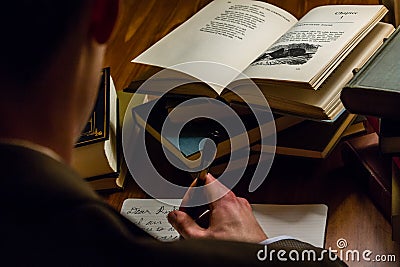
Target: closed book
389,136
395,212
186,145
358,127
363,158
310,139
373,123
96,155
375,88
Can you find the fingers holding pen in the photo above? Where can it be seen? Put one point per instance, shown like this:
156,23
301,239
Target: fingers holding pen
185,225
202,194
230,217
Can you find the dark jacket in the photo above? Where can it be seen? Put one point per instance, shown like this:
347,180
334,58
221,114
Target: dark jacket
49,216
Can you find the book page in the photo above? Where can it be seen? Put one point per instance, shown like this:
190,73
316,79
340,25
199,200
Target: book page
229,32
323,36
309,102
110,146
303,222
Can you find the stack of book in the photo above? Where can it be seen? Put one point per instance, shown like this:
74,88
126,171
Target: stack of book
376,164
296,137
375,92
298,66
97,156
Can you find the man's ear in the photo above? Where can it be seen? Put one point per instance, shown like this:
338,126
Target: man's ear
104,16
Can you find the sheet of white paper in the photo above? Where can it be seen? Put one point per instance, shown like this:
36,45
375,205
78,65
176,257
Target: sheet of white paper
304,222
151,216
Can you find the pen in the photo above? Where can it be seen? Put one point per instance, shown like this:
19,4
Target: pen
198,213
201,213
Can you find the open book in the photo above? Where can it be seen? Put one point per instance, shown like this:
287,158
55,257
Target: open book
303,222
267,44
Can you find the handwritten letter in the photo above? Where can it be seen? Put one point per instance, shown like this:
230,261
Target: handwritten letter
303,222
151,216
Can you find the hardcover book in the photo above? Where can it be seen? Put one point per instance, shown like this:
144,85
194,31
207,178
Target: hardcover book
389,136
310,139
362,156
393,16
187,145
375,88
96,155
289,59
395,212
358,127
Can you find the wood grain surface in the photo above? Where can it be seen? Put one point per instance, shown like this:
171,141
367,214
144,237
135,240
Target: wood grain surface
352,215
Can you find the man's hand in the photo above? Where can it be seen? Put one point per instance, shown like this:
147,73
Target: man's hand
230,218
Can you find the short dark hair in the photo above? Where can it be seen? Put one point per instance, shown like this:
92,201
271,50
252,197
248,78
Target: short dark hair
31,31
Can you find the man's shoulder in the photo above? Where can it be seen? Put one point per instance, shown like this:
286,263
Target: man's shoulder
30,175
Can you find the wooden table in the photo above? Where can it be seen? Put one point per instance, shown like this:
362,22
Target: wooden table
351,215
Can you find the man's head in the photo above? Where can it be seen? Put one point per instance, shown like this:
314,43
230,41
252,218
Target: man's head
31,32
52,56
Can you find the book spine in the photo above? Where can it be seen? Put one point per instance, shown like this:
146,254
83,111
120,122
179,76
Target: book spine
395,211
389,136
391,15
374,123
362,155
